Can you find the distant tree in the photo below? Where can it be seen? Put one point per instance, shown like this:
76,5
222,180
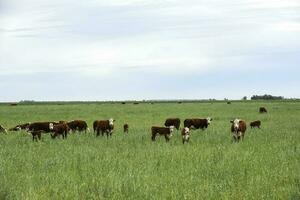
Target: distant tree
244,98
266,97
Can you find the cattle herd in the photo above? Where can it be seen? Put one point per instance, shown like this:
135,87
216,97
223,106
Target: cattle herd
63,128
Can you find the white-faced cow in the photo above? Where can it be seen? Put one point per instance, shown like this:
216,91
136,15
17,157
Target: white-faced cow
185,133
40,126
238,129
105,126
173,122
255,124
59,129
197,123
163,131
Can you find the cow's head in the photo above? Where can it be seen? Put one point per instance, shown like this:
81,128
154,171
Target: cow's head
171,130
209,119
186,132
111,121
51,126
235,124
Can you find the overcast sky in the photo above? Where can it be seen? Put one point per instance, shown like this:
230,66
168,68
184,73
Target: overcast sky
148,49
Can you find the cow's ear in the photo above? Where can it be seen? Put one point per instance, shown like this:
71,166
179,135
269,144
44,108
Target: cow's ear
231,121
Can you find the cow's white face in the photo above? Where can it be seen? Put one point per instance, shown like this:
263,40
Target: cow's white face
209,119
186,131
111,121
51,126
171,130
236,124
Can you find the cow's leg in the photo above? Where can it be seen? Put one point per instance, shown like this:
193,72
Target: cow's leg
153,137
167,138
32,138
39,136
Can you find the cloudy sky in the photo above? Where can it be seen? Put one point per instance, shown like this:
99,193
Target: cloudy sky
146,49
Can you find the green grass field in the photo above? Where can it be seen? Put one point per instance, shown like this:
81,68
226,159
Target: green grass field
266,165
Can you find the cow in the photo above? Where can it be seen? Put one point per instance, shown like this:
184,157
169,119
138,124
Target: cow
164,131
262,110
79,125
238,129
19,127
125,128
59,129
40,126
105,126
185,132
2,129
197,123
255,124
36,135
173,122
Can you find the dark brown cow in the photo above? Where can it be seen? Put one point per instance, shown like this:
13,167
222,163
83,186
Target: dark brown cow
238,129
262,110
105,126
40,126
2,129
255,124
164,131
185,132
79,125
125,128
19,127
36,135
59,129
196,123
173,122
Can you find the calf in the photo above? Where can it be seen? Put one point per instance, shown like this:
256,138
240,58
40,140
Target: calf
165,131
197,123
173,122
125,128
238,129
105,126
36,135
2,129
255,124
59,129
40,126
262,110
185,134
19,127
79,125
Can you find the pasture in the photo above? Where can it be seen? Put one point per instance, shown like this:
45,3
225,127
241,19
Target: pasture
266,165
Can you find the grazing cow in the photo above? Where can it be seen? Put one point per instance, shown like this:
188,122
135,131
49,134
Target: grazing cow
173,122
185,134
105,126
125,127
79,125
165,131
255,124
197,123
36,135
40,126
2,129
59,129
19,127
238,129
262,110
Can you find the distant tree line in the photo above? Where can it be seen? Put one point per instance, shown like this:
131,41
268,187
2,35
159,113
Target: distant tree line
266,97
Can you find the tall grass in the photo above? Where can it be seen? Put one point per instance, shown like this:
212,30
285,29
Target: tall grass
266,165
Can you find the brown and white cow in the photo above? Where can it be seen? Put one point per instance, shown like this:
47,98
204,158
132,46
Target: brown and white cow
105,126
2,129
59,129
185,133
196,123
163,131
79,125
255,124
125,128
40,126
262,110
19,127
238,129
173,122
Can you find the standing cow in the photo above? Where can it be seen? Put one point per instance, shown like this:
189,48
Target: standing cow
238,129
40,126
262,110
79,125
105,126
197,123
59,129
164,131
36,135
255,124
173,122
185,133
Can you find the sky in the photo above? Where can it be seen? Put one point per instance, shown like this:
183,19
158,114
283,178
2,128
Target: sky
83,50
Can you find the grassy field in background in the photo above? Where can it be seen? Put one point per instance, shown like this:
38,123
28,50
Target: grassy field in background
266,165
